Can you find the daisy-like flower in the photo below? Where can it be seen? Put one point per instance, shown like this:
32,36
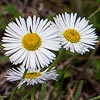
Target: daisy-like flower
32,76
76,34
31,42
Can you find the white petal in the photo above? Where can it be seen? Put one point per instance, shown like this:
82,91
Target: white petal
29,24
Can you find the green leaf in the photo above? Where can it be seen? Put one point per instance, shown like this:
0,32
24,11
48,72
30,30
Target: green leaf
2,97
11,9
98,0
96,68
7,14
95,98
27,95
13,93
68,73
50,18
79,90
2,24
30,93
43,91
4,59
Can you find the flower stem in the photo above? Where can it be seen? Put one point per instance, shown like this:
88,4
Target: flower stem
95,12
43,91
12,95
33,93
25,97
24,73
56,61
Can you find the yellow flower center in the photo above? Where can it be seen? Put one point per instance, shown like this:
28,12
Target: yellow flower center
31,41
32,75
72,35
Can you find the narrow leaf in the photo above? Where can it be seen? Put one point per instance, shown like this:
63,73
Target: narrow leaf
95,98
2,97
79,90
43,91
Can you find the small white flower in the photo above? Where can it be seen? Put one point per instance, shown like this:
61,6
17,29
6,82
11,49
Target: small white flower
76,34
31,42
32,76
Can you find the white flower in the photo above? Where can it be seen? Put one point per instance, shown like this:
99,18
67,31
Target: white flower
32,76
76,34
31,42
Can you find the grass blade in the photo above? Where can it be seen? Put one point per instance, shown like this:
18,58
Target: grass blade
79,90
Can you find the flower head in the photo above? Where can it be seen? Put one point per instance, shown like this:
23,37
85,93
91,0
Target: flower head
76,34
31,42
32,76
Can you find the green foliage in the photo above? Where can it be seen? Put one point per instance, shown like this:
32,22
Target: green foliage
27,95
50,18
79,90
7,14
12,10
67,53
3,59
96,68
43,91
3,97
60,82
31,92
95,98
98,1
13,93
68,73
96,21
64,73
2,23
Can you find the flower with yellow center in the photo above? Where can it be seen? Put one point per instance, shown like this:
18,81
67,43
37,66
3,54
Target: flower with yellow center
32,76
72,35
75,34
30,42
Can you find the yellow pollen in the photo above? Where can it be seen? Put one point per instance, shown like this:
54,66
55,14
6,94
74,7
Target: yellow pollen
31,41
72,35
32,75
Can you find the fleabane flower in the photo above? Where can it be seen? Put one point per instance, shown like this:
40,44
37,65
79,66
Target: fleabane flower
76,34
32,76
30,42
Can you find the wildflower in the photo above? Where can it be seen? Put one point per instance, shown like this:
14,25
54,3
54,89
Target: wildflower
31,42
76,34
32,76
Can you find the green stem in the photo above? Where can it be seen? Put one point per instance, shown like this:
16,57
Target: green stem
95,12
60,87
95,98
43,91
60,82
56,61
12,95
24,73
25,97
33,93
